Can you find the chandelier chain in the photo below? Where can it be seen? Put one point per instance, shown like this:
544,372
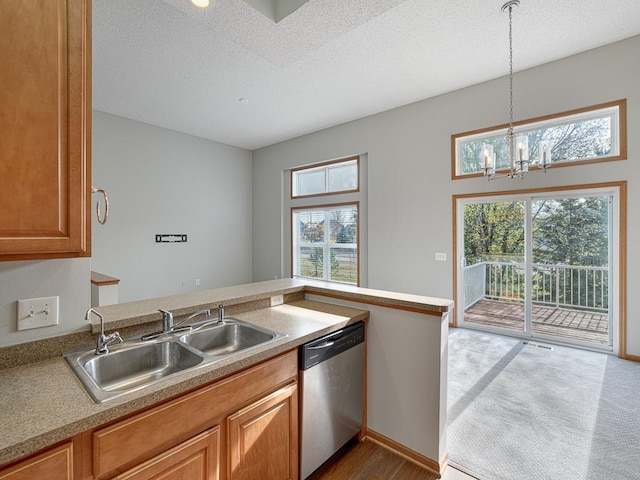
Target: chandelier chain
510,72
517,166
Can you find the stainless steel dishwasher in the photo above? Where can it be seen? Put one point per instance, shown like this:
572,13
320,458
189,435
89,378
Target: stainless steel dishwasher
332,379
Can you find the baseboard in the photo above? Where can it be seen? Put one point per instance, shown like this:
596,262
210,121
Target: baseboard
427,463
633,358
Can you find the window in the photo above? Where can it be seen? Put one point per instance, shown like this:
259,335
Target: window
325,242
328,178
593,134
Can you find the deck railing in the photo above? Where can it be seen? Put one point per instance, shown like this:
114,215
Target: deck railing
567,286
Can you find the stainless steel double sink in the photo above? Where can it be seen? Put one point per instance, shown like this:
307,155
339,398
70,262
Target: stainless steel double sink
133,365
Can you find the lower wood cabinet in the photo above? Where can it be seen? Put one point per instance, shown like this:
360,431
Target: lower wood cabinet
242,427
195,459
53,464
263,438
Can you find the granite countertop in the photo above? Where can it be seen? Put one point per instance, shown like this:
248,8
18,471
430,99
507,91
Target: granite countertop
145,311
45,403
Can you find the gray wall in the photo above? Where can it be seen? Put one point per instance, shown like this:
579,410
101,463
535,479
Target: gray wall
161,181
68,279
409,159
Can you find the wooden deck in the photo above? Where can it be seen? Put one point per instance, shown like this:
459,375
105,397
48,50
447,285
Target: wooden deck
561,322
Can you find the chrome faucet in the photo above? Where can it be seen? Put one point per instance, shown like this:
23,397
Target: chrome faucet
103,342
167,319
220,313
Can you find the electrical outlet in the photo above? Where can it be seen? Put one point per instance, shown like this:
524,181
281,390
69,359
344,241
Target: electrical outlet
441,257
277,300
37,312
197,282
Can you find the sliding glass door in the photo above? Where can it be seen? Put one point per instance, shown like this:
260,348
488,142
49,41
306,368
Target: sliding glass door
538,266
570,267
494,264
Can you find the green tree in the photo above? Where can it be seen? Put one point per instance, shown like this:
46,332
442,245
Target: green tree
316,258
493,231
585,139
572,231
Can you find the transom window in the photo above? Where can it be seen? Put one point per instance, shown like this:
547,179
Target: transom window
325,243
339,176
592,134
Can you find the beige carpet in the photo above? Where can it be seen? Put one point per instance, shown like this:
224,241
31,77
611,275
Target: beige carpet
519,412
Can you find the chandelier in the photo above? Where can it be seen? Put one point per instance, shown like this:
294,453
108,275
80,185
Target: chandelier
518,149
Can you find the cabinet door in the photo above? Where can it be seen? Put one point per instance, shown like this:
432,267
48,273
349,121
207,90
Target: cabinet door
263,438
55,464
45,120
195,459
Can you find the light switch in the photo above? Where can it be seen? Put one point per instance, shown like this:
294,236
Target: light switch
441,257
37,312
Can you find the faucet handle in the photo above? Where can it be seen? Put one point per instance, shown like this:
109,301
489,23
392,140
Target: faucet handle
167,320
102,347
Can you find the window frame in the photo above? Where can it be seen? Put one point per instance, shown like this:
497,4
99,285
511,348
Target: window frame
549,121
326,206
325,165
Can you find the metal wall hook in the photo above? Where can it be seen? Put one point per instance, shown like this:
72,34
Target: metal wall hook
102,220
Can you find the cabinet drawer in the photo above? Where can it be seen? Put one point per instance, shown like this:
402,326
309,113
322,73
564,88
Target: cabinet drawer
138,438
195,459
55,464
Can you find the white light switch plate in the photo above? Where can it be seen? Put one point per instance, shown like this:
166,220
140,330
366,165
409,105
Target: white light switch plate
441,257
37,312
277,300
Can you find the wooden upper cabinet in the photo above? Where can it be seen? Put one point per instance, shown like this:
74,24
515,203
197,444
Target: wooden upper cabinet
45,127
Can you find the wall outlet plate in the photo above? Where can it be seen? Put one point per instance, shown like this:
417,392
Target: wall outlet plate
277,300
38,312
441,257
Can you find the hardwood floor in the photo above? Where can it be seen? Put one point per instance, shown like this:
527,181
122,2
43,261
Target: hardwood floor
367,460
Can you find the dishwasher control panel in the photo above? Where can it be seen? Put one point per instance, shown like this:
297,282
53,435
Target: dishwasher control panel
331,345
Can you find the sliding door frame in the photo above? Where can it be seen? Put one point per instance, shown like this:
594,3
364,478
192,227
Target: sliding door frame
618,243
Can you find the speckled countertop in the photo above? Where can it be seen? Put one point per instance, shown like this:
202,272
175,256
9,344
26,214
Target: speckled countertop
44,402
145,311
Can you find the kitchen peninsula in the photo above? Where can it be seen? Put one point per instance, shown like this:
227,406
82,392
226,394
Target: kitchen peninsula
406,365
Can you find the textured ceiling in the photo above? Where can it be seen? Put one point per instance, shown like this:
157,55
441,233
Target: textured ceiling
168,63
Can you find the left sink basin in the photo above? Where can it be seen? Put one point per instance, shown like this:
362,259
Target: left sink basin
130,367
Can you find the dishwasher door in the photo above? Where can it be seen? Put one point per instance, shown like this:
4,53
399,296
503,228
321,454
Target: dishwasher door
332,397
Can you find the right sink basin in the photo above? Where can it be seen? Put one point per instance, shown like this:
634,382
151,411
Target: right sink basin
220,340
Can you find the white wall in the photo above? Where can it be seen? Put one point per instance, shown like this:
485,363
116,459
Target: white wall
410,186
406,375
162,181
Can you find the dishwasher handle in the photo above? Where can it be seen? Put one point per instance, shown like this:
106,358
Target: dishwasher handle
326,344
330,345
